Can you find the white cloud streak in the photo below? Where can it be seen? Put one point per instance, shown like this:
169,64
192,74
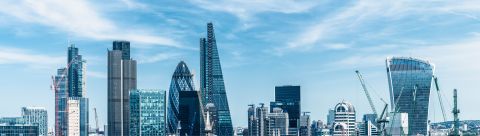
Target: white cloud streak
27,58
156,58
79,18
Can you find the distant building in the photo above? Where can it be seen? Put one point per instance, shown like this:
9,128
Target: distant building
410,81
277,123
305,126
147,112
12,120
398,124
262,120
212,85
191,114
61,97
36,116
330,118
182,80
252,129
345,120
288,99
122,77
77,116
368,126
19,130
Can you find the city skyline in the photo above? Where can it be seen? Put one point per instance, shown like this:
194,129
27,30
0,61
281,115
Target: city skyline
261,47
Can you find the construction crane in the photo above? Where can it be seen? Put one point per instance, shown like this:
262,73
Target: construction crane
435,79
366,92
97,130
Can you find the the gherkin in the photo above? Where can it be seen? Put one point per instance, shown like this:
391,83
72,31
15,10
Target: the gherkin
182,80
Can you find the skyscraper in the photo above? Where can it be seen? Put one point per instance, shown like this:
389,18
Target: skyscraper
252,121
36,116
409,82
277,123
61,96
212,84
76,72
147,113
122,77
191,114
182,80
345,119
288,99
77,116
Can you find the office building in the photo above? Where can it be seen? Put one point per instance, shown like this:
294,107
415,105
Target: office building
77,116
122,77
61,96
147,113
277,123
398,124
304,128
262,120
252,129
76,73
345,120
36,116
330,117
212,85
19,130
410,82
191,114
182,80
368,125
288,99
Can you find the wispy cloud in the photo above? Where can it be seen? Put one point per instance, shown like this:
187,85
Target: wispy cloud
157,57
96,74
9,55
247,9
79,18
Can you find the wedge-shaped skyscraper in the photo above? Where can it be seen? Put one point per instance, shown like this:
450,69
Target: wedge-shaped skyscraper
212,85
409,82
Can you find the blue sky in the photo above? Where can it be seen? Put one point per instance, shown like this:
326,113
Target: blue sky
315,44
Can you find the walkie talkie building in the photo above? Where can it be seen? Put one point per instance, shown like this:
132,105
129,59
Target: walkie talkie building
409,82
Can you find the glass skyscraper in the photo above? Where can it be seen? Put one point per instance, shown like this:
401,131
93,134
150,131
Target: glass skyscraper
147,113
182,80
191,114
212,85
61,97
288,99
122,77
409,82
76,72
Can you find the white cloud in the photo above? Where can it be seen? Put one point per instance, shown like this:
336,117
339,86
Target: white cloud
352,18
246,9
96,74
156,58
79,18
31,60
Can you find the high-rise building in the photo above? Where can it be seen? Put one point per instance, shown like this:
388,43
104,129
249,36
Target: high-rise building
409,82
304,128
61,96
191,114
398,124
122,77
252,121
77,116
212,85
36,116
262,120
368,126
288,99
19,130
76,73
147,113
182,80
277,123
344,124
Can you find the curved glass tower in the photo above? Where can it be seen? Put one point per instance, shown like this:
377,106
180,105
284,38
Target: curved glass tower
212,85
182,80
409,82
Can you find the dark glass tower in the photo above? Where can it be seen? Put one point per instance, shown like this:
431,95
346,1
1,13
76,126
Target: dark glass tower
61,96
212,85
122,78
76,83
191,118
409,82
288,99
182,80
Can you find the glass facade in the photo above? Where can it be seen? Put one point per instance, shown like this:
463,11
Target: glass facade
36,116
18,130
147,113
288,99
212,84
60,102
182,80
191,114
122,78
76,72
409,85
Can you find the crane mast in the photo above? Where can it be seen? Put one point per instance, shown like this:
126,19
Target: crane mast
366,92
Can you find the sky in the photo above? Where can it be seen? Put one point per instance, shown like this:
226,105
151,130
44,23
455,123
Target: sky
262,44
